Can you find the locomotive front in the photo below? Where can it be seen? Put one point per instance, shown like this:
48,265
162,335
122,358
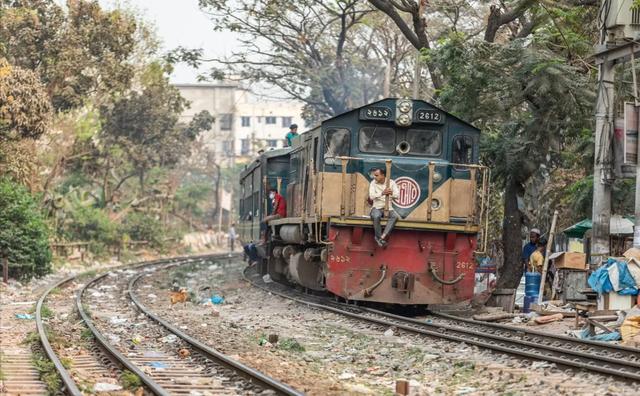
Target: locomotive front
432,156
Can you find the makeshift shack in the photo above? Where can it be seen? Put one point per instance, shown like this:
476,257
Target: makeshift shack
620,240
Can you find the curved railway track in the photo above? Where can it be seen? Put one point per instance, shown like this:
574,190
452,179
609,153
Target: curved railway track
178,366
594,356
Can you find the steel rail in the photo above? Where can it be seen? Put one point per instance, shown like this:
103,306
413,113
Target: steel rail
147,380
245,371
470,337
69,383
560,337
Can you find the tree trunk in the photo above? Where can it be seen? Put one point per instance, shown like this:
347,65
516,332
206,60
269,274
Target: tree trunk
511,273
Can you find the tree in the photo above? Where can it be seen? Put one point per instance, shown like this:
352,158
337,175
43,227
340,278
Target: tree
74,53
530,104
24,236
25,110
319,52
144,125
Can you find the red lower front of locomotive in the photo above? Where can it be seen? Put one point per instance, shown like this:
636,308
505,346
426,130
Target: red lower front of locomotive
416,267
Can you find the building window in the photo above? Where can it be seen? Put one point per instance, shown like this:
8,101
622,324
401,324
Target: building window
227,147
246,121
270,120
225,122
245,145
272,143
287,121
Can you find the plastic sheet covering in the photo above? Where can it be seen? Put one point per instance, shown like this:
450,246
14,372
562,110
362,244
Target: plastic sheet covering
613,276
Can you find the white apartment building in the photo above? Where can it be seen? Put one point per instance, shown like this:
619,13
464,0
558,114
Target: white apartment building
245,122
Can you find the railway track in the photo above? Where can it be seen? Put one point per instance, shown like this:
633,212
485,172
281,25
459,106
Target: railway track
594,356
128,336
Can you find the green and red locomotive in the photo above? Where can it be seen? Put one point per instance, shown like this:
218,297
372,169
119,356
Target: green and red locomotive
326,241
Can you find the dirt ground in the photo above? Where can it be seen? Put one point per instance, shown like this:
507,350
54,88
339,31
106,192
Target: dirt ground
326,354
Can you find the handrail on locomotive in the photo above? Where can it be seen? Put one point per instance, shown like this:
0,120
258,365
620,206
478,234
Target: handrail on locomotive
479,215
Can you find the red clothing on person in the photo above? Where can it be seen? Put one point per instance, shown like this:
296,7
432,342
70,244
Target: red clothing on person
279,205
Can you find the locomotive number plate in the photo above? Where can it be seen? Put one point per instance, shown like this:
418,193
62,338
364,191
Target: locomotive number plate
376,113
340,259
429,116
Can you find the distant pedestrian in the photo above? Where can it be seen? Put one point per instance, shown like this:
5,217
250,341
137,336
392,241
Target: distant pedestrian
232,237
293,132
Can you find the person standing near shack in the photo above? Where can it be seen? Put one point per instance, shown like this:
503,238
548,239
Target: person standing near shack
232,237
529,248
293,132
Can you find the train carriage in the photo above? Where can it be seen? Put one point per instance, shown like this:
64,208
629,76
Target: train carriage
326,242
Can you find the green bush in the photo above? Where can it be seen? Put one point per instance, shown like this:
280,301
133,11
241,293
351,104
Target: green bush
87,223
24,235
143,227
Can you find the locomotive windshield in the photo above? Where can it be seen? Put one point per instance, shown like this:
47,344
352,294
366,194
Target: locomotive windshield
377,140
384,140
337,143
424,142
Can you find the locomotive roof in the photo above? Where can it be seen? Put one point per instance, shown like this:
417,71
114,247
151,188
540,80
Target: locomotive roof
266,155
449,115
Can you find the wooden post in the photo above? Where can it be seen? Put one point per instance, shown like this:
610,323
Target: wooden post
5,269
552,233
387,184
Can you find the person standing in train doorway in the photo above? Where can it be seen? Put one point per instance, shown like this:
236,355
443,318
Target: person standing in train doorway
293,132
378,191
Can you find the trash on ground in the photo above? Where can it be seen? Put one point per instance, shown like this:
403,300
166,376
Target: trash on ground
169,339
389,332
136,340
492,317
117,321
25,316
346,375
183,353
151,295
217,299
157,365
548,318
105,387
267,278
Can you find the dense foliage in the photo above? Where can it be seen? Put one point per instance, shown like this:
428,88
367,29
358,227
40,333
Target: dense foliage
89,123
24,235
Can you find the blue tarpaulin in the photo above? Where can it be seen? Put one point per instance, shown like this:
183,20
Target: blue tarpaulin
613,276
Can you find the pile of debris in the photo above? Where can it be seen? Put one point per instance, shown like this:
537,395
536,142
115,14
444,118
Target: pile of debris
607,310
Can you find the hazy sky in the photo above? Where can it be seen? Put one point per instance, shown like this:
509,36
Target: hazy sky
181,23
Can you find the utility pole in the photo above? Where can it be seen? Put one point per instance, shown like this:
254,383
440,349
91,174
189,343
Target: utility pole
636,228
605,117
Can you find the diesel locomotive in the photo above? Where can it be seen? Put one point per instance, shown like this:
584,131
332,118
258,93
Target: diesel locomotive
326,241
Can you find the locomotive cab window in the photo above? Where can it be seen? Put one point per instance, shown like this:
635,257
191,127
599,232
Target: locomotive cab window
424,142
462,150
337,143
377,140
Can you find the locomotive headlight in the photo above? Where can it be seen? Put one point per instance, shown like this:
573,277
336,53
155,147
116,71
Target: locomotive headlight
404,112
404,120
437,177
405,106
435,204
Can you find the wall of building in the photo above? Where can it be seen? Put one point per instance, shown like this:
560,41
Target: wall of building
245,122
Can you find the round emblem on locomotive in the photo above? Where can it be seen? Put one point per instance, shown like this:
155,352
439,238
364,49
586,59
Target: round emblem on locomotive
409,192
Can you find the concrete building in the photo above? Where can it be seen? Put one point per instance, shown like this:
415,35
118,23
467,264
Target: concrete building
245,122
